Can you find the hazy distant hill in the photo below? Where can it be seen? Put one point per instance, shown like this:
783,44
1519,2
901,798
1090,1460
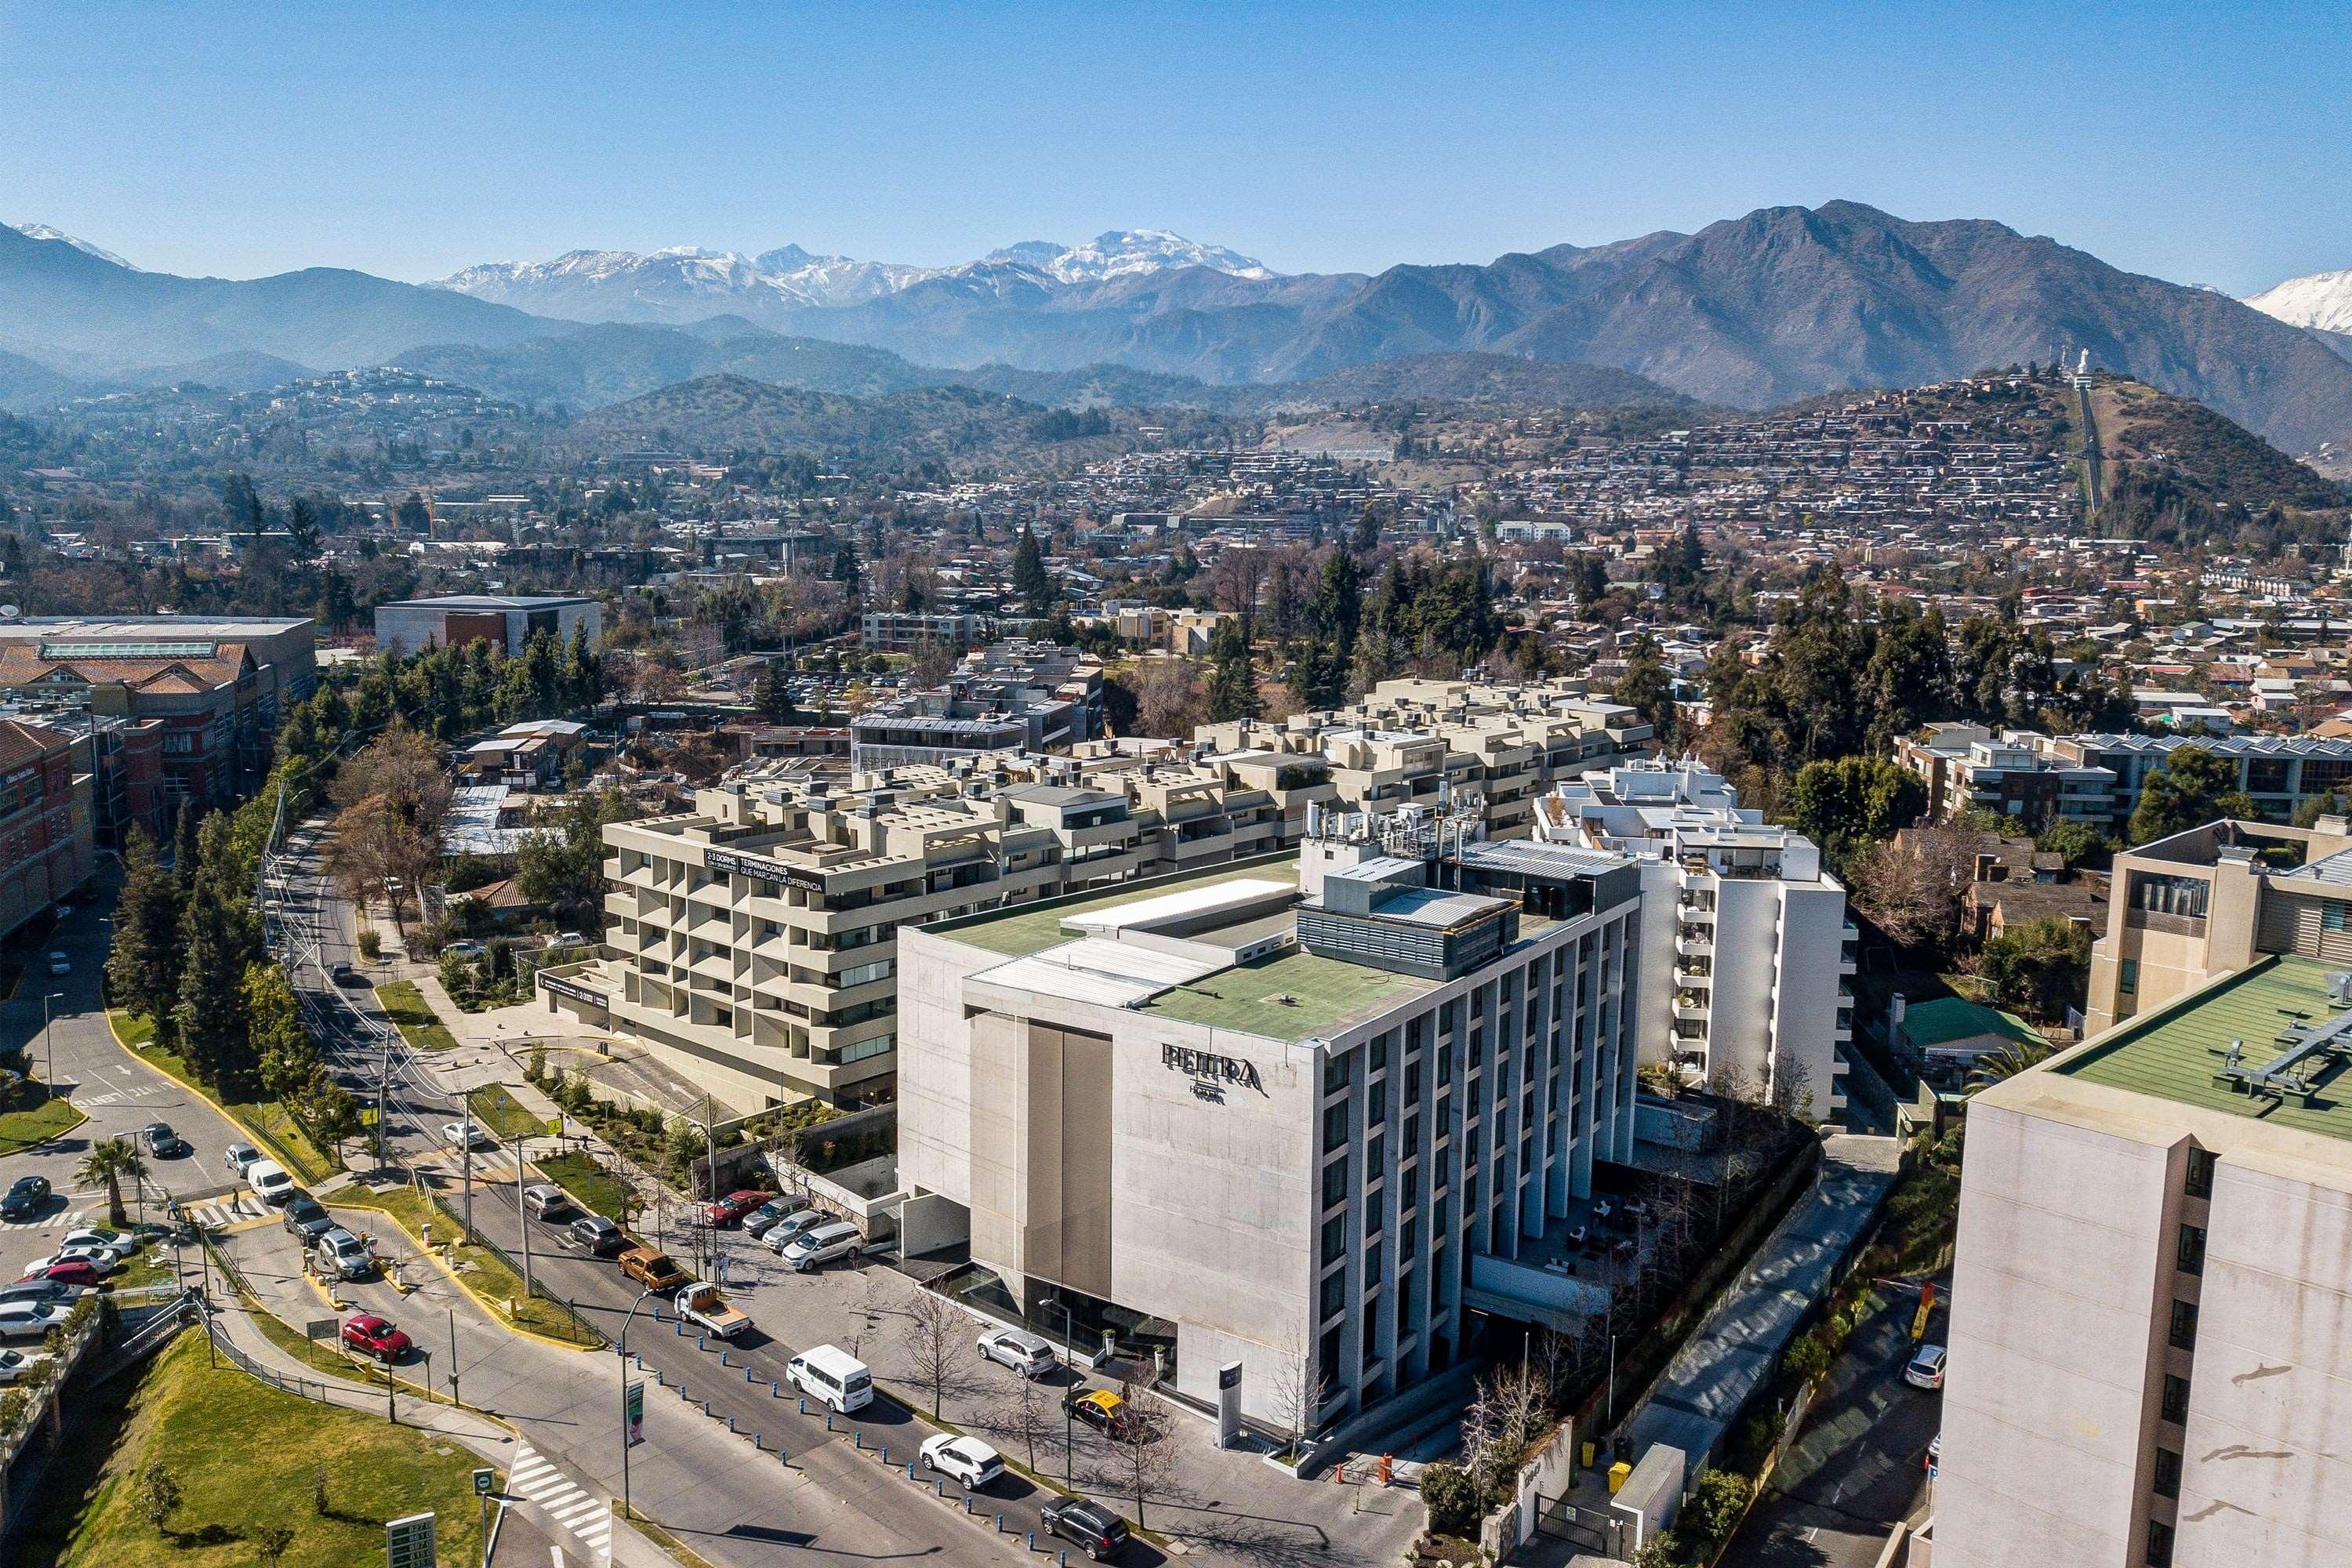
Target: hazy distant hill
28,384
588,367
729,413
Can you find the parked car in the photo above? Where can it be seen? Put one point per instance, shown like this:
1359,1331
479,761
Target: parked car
99,1260
567,938
1024,1353
241,1158
545,1201
1935,1452
653,1269
162,1142
29,1320
270,1182
344,974
59,1291
823,1244
375,1336
81,1271
1094,1528
733,1206
1926,1368
772,1213
833,1377
1099,1408
120,1242
306,1218
966,1461
28,1196
14,1365
599,1236
60,962
462,1133
785,1231
340,1255
466,949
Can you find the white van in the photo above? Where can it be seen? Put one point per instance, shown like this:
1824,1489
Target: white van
268,1181
819,1245
833,1377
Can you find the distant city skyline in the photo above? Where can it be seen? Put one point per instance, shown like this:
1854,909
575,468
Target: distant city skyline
2204,147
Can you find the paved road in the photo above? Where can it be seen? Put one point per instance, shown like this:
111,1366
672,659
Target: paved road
1858,1468
119,1093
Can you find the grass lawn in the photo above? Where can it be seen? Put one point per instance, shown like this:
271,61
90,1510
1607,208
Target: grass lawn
484,1273
502,1113
591,1187
404,1004
22,1128
246,1456
269,1123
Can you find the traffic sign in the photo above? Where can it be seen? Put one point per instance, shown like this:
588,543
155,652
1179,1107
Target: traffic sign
484,1482
320,1328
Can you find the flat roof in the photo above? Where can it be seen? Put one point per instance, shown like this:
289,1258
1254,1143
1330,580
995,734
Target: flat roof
489,602
1950,1018
1032,928
2173,1053
1323,996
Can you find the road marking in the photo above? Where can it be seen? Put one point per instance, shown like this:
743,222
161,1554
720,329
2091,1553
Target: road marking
553,1492
67,1220
98,1100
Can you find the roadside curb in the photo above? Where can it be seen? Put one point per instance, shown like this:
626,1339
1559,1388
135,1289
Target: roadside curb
497,1317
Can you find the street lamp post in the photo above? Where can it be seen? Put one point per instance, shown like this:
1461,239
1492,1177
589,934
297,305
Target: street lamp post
48,1051
643,1297
1069,1432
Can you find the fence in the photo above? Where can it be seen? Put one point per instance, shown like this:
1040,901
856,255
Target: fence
578,1327
311,1388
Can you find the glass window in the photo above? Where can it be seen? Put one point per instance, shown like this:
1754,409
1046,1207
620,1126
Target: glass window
1334,1238
2127,976
2331,915
2184,1325
2201,1174
2168,1473
1379,1054
2190,1255
1376,1103
2159,1544
1337,1070
1334,1183
1335,1292
2176,1399
1335,1126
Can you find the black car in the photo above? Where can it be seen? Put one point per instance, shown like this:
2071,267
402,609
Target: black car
344,974
1093,1527
162,1142
28,1196
598,1237
306,1217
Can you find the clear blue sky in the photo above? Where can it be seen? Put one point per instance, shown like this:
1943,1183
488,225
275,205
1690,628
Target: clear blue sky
2205,144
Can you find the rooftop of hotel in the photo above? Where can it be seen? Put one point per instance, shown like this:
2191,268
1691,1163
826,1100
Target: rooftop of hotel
2176,1052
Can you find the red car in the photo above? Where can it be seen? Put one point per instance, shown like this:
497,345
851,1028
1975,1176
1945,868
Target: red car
73,1272
731,1208
376,1336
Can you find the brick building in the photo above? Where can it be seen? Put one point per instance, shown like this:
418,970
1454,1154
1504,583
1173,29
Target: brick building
45,848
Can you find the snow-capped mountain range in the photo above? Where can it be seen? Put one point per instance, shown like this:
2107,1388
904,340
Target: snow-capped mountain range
687,282
2323,301
43,231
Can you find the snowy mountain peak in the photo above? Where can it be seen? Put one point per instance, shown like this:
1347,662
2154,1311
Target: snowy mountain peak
43,231
2323,301
1123,252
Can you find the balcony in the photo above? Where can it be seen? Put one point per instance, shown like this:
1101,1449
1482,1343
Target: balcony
1690,1007
1694,941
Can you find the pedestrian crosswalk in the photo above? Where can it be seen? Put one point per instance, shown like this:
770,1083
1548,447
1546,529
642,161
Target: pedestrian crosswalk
552,1492
227,1209
48,1222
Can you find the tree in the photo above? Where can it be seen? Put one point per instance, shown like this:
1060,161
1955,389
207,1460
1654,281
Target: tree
1999,1066
1168,703
933,1338
1027,1415
217,938
1146,1460
143,966
563,866
2077,843
393,797
1647,686
1451,1496
273,1541
1300,1390
1910,887
159,1495
281,1042
2042,966
1031,581
2186,792
111,1162
1855,801
1232,684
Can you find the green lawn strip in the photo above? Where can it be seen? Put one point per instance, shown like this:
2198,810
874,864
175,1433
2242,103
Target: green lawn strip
483,1273
591,1187
405,1005
37,1124
246,1456
270,1123
502,1113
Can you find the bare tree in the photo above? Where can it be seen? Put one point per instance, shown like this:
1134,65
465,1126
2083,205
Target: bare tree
932,1337
395,798
1300,1390
1168,703
1236,582
1027,1414
1911,886
1146,1459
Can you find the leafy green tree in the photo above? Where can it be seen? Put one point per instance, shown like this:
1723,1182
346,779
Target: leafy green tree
1233,685
2042,966
1855,801
1647,686
142,967
281,1042
1908,681
563,866
110,1163
218,940
774,697
1999,1066
584,672
2186,792
2076,842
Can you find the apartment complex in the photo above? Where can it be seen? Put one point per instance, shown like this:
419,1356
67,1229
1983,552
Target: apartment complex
1309,1116
2033,780
214,688
2188,909
46,828
2147,1342
904,631
1007,698
508,621
1746,944
1477,750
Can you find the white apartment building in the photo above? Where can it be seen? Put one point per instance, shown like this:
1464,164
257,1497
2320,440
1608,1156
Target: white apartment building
2149,1355
1313,1115
1745,944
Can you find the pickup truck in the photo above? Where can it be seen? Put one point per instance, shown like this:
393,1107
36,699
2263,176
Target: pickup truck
653,1269
702,1307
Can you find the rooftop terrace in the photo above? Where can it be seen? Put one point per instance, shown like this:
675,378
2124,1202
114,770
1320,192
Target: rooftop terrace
2174,1053
1025,928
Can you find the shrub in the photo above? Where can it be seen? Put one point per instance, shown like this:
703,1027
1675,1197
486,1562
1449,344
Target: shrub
1717,1502
371,944
1451,1497
1806,1358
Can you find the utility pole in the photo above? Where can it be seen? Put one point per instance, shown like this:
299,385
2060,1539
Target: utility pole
710,1174
468,1161
453,1357
382,1087
522,1220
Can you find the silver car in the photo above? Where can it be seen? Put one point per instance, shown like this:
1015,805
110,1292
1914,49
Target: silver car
1024,1353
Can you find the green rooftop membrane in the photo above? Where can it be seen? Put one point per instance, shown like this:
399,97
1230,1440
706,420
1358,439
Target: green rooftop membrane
2175,1052
1291,998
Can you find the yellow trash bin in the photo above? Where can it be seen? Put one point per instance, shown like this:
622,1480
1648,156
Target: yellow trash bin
1617,1474
1591,1452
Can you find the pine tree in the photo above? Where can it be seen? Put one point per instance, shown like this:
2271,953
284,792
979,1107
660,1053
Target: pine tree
144,965
583,672
774,697
1233,687
216,941
1029,578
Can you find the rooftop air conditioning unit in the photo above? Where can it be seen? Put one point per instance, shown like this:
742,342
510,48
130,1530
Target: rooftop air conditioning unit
2339,987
